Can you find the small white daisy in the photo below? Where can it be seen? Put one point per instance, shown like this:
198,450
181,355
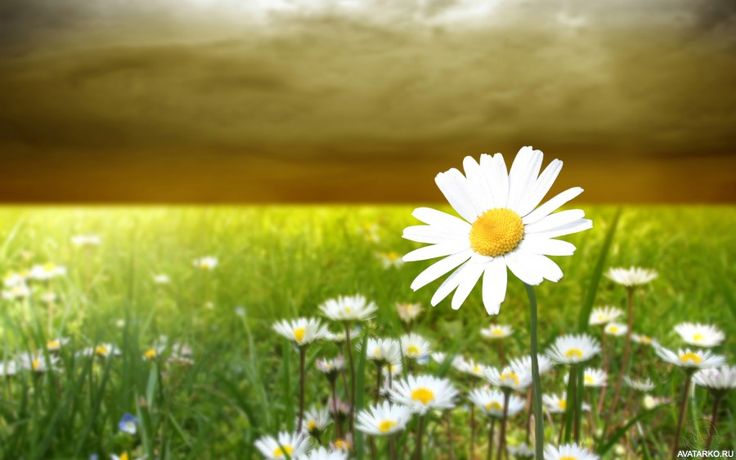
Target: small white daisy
102,350
604,315
521,451
424,392
555,404
46,271
632,276
206,263
690,359
700,335
340,336
20,291
650,402
408,312
502,227
315,420
568,452
38,363
161,278
383,419
383,351
293,445
525,363
645,385
496,331
348,308
469,366
573,349
330,367
415,346
717,378
594,377
301,331
615,329
512,377
8,368
322,453
88,240
490,402
390,259
643,339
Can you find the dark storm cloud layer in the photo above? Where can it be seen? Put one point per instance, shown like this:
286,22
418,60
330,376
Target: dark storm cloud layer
152,98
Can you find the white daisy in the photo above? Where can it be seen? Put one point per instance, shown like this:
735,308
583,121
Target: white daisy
39,363
573,349
46,271
294,445
20,291
383,351
340,336
645,385
161,278
330,367
692,359
643,339
408,312
650,402
348,308
717,378
102,350
415,346
315,420
557,404
501,227
496,331
469,366
521,451
88,240
424,392
8,368
632,276
206,263
525,363
604,315
301,331
615,329
568,452
383,419
700,335
490,402
322,453
594,377
14,279
512,377
390,259
56,344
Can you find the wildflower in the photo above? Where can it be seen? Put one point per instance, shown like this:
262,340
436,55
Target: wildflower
615,329
555,404
568,452
161,278
408,312
46,271
643,339
301,331
390,259
37,363
348,308
322,453
383,351
414,346
54,345
501,227
490,402
88,240
644,385
316,420
650,402
341,336
206,263
343,444
424,392
691,359
469,366
19,291
496,331
294,445
573,349
604,315
632,276
383,419
700,335
8,368
128,424
103,350
716,378
330,367
594,377
521,451
510,377
524,363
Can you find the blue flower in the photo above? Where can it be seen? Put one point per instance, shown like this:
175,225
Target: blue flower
128,424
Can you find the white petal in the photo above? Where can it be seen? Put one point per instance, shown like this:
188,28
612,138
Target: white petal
467,283
544,265
440,219
435,250
480,193
541,187
545,246
552,221
551,205
523,175
494,285
449,284
572,227
439,268
432,234
498,179
454,186
523,268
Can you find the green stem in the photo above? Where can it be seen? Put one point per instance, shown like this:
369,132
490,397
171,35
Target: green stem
536,386
349,346
302,358
713,419
502,434
681,416
579,401
569,415
490,439
420,433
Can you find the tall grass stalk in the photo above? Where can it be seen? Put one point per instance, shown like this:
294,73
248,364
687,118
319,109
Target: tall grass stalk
536,384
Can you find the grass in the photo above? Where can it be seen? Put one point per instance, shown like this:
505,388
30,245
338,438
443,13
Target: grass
278,262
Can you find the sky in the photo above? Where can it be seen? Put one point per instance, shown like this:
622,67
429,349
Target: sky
361,101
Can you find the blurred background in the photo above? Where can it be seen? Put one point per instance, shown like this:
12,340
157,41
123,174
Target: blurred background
255,101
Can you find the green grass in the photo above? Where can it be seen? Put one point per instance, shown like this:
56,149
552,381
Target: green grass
282,262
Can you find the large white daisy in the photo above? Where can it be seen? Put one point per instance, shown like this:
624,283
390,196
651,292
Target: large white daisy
700,335
274,448
568,452
383,419
501,226
693,359
717,378
424,392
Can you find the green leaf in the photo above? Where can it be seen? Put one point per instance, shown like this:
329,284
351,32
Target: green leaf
618,434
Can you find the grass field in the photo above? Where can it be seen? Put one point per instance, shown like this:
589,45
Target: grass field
280,262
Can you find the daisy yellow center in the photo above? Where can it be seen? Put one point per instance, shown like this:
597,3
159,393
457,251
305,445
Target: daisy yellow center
697,337
510,376
497,332
476,369
423,395
53,344
101,350
299,334
562,404
412,350
341,444
589,379
612,329
311,425
392,256
494,405
124,456
150,353
690,357
280,451
384,426
574,353
568,457
645,339
496,232
36,364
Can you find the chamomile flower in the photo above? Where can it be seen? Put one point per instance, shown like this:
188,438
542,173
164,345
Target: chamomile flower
490,402
161,278
501,226
383,351
206,263
424,392
690,359
496,331
14,279
330,367
594,377
294,445
408,312
650,402
390,259
717,378
632,276
700,335
8,368
555,404
524,363
348,308
86,240
383,419
511,377
102,350
573,349
469,366
54,345
604,315
301,331
46,271
414,346
568,452
643,339
128,424
615,329
19,291
521,451
645,385
322,453
38,363
316,420
343,444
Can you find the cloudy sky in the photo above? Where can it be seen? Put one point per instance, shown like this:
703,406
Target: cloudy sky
346,100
